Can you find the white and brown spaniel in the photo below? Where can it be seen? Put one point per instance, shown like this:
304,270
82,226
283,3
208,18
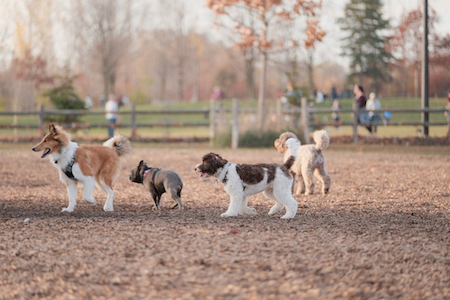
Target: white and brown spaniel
243,180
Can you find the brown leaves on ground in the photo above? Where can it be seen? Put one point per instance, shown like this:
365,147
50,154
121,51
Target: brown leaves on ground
382,232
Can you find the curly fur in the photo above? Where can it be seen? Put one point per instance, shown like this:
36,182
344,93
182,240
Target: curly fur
280,144
310,159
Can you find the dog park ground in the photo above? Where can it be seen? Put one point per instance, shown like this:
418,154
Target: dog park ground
382,232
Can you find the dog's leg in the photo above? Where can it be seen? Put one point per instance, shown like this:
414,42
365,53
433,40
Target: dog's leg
300,185
109,201
245,210
157,199
88,184
308,177
88,193
325,178
177,197
283,194
277,206
294,182
72,191
233,208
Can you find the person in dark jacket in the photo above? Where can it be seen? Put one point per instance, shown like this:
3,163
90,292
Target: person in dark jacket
361,100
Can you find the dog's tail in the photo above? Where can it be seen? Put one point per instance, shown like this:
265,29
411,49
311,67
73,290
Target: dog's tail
289,162
121,144
321,139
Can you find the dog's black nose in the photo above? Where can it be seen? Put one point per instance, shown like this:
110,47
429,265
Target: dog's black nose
34,149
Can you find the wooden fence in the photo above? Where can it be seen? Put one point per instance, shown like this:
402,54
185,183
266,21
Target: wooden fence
215,113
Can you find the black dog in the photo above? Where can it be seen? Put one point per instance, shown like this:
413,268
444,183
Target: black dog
158,181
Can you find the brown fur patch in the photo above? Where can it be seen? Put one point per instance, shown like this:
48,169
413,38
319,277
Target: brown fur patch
289,162
98,161
252,174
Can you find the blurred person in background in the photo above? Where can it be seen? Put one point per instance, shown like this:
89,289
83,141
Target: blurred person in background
88,103
217,93
336,115
112,111
361,100
373,104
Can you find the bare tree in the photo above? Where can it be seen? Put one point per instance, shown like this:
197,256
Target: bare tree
267,14
106,30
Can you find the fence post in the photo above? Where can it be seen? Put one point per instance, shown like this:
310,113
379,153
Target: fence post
235,126
221,126
41,121
212,120
355,121
133,121
305,119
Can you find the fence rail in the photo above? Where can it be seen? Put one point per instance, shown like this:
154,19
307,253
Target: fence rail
216,112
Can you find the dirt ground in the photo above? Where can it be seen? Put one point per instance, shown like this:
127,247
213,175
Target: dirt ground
382,232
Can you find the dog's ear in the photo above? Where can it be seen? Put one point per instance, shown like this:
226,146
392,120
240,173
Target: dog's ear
279,145
52,129
276,143
142,167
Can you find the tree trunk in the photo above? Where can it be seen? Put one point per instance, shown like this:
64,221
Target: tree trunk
360,78
261,96
196,83
311,73
404,89
112,82
250,71
105,85
180,79
162,89
416,83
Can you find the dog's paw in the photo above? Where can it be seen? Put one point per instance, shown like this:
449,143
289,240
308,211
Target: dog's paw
225,215
286,216
67,209
108,208
250,211
92,200
326,191
276,208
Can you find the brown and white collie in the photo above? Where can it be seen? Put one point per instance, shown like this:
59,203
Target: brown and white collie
90,164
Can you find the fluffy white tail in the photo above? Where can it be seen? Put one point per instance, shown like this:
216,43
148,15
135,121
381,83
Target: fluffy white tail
121,144
321,139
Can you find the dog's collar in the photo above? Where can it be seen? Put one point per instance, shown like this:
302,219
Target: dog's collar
148,170
68,169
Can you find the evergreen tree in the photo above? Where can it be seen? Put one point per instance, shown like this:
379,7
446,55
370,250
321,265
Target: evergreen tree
64,96
365,43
